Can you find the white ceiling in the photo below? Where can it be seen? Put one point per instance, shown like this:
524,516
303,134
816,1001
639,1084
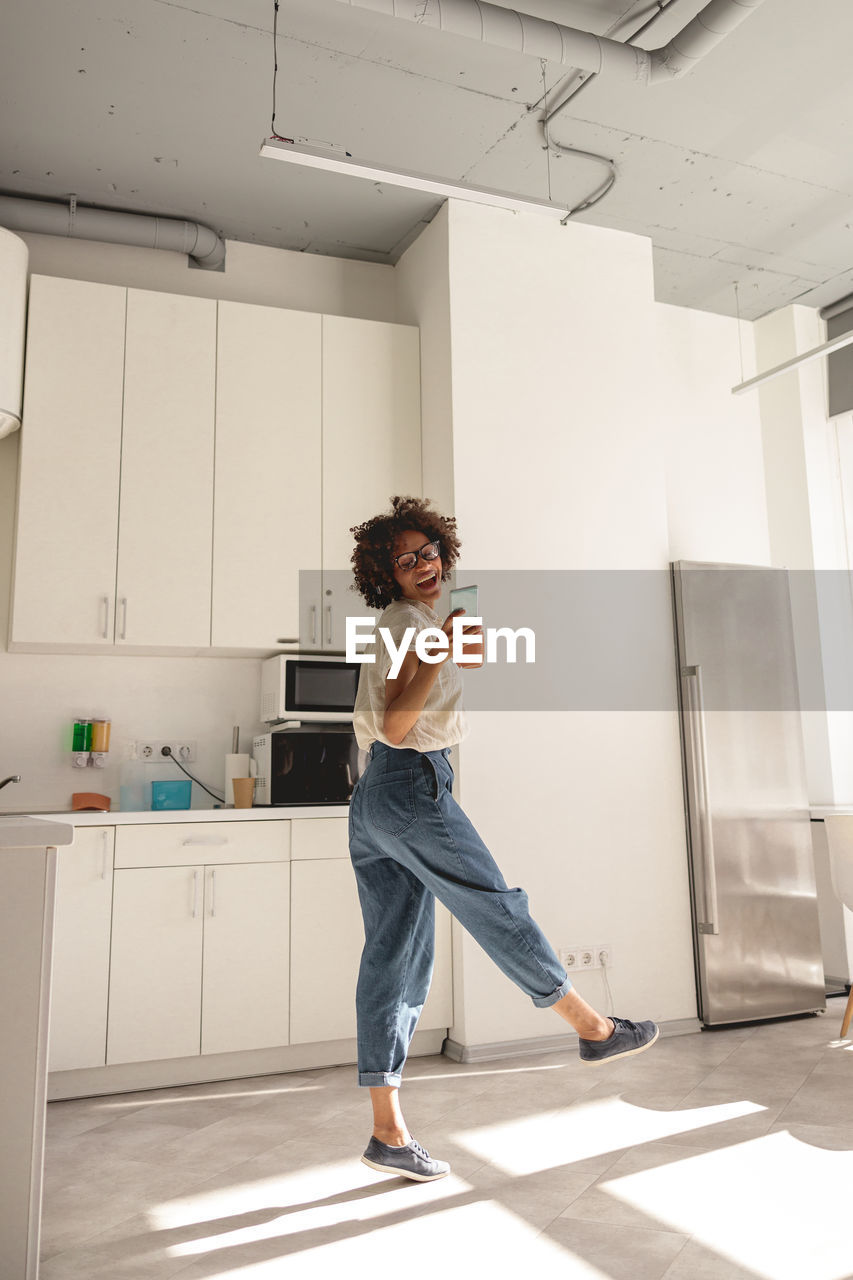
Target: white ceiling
741,173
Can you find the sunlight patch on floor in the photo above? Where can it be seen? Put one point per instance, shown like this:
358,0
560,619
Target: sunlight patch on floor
318,1197
153,1101
535,1143
751,1203
490,1071
425,1237
282,1214
302,1186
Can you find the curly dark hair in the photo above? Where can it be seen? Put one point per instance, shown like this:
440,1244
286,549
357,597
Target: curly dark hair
372,559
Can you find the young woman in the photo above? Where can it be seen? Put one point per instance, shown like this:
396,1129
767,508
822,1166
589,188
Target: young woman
411,843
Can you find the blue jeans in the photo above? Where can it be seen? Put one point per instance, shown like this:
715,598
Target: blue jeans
410,843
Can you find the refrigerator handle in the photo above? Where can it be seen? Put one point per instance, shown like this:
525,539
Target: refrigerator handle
699,751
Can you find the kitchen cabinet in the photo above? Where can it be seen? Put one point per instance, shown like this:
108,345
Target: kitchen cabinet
181,943
155,964
325,950
371,450
199,961
246,965
317,425
68,488
190,470
193,935
81,951
116,483
166,499
266,525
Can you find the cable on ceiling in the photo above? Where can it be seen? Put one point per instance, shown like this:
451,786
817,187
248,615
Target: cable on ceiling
273,133
577,81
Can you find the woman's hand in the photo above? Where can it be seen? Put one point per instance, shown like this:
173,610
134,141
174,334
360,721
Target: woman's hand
473,634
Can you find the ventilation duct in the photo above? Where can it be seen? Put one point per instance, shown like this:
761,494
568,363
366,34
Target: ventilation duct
14,257
44,217
492,24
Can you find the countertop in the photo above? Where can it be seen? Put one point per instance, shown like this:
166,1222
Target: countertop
90,818
818,812
21,831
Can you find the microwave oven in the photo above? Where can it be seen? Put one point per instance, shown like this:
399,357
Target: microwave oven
308,688
307,764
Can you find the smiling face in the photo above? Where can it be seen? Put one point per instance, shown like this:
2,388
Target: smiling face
423,581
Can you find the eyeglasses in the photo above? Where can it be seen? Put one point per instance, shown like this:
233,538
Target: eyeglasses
408,560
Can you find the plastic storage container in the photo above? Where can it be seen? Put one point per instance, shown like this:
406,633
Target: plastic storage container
171,795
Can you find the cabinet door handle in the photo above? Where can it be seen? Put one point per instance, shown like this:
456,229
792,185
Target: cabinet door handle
104,854
123,603
106,631
195,895
329,627
313,624
213,893
205,840
288,640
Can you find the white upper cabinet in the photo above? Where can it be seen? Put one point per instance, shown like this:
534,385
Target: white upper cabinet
191,470
166,502
371,425
65,560
371,445
266,526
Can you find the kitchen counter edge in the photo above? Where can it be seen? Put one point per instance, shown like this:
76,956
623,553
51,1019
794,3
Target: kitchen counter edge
90,818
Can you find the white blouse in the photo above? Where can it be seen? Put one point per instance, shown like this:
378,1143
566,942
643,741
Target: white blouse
443,722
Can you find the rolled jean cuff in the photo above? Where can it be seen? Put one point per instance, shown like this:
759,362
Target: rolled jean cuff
379,1079
545,1002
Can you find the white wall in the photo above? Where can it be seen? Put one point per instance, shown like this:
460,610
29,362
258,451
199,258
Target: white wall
557,465
807,526
581,410
715,493
158,697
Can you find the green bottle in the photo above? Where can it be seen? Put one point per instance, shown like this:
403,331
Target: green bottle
82,736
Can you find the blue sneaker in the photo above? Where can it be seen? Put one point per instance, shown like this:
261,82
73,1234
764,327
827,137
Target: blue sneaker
411,1161
628,1037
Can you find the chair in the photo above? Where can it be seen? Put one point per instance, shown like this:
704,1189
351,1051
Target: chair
839,839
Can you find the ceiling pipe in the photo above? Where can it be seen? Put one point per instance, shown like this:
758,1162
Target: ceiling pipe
492,24
45,217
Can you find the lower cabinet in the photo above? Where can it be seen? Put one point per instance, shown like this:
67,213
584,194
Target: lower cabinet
245,973
199,960
326,939
178,940
81,951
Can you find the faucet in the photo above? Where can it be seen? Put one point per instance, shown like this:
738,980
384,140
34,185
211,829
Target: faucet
13,777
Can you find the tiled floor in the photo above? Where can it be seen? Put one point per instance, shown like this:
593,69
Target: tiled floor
725,1155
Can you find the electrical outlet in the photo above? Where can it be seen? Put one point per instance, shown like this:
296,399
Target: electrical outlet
183,749
598,957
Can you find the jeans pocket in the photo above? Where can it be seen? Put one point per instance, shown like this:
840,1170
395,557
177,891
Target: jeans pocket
391,802
431,777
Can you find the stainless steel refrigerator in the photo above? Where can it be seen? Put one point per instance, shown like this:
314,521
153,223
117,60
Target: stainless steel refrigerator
755,919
